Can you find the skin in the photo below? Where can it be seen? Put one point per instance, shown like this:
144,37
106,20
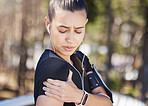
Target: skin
67,32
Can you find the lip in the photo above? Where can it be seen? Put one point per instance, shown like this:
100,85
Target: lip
68,48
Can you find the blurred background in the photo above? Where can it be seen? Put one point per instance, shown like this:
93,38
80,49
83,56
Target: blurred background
116,42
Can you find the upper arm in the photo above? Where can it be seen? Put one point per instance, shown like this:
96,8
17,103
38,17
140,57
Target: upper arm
44,100
99,90
48,69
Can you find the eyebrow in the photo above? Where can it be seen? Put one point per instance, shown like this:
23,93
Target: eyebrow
68,27
79,27
63,26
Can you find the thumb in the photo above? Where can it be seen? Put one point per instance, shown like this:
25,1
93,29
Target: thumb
69,79
70,75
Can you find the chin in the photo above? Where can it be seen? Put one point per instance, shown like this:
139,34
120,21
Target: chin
65,53
68,53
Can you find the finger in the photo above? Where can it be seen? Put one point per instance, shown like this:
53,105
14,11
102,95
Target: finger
53,96
69,79
50,86
46,84
54,82
70,75
51,91
89,72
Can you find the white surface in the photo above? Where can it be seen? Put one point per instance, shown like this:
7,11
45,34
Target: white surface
18,101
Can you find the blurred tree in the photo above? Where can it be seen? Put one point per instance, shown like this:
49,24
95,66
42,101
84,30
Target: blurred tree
110,21
92,10
30,33
23,48
144,4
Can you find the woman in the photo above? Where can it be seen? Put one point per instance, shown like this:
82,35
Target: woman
60,79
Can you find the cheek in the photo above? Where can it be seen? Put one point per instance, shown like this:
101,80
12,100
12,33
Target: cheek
80,39
56,37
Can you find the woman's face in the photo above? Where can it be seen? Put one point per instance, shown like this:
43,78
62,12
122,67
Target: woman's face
67,31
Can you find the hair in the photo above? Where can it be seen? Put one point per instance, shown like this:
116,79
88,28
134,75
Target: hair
69,5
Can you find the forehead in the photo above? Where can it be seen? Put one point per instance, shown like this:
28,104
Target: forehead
68,18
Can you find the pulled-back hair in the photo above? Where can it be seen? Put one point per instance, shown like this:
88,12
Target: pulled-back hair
69,5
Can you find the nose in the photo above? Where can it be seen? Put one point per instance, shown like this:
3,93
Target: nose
70,38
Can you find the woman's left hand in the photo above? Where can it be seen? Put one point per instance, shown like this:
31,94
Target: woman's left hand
65,91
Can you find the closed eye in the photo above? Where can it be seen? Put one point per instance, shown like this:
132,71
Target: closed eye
62,31
78,31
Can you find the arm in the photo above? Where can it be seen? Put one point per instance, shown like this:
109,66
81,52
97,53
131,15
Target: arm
68,92
71,94
97,99
44,100
65,91
95,79
46,70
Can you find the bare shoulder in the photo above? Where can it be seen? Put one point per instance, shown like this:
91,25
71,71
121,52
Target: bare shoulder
44,100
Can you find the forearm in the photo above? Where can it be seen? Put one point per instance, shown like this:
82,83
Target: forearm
94,99
44,100
99,96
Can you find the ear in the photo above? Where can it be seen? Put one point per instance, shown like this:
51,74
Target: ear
47,22
86,21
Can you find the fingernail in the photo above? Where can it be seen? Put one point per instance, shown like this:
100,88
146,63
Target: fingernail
44,88
49,79
44,82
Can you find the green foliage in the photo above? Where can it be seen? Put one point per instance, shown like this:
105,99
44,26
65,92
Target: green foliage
133,92
92,10
99,56
97,26
115,80
44,6
118,48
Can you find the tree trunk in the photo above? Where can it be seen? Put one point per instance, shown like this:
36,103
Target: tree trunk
145,62
2,38
23,52
144,68
110,19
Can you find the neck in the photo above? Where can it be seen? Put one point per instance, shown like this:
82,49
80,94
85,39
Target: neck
51,46
67,58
